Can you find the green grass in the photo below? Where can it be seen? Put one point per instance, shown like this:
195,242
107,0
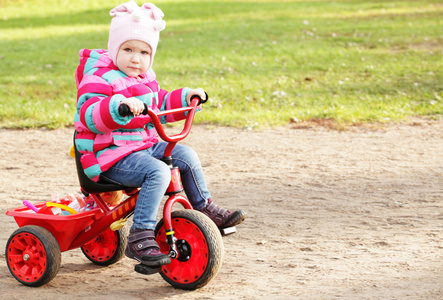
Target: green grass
261,62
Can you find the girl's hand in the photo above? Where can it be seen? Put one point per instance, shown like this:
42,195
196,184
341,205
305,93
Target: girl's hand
135,105
196,92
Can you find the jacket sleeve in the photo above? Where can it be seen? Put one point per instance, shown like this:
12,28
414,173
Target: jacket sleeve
97,107
173,100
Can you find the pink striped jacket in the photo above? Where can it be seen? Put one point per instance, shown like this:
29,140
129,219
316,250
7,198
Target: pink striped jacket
104,137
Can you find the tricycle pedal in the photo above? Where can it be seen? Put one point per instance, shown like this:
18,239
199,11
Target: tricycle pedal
146,270
228,231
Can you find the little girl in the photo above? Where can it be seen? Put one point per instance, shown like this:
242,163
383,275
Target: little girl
126,150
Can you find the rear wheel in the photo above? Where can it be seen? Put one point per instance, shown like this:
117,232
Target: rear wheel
33,255
200,248
107,248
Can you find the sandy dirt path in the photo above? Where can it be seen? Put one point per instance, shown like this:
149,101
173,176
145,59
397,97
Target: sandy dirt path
354,214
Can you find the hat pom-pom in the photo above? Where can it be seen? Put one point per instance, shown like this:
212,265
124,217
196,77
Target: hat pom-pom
137,15
159,25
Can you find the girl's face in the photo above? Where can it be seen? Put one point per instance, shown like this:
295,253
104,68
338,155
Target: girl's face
134,58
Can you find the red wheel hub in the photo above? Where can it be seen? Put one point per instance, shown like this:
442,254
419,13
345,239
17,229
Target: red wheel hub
27,257
193,252
103,247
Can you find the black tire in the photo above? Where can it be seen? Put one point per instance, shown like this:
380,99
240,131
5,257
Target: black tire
107,248
33,255
200,248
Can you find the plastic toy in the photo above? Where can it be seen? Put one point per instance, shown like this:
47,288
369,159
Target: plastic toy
61,206
30,205
112,198
77,202
191,239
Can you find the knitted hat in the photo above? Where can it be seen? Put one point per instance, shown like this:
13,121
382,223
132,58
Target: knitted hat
131,22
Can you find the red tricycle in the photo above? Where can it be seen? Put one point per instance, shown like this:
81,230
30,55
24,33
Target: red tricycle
191,239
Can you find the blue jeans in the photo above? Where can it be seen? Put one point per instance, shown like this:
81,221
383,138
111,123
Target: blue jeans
144,169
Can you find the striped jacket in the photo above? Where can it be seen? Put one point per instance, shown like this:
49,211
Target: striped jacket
104,137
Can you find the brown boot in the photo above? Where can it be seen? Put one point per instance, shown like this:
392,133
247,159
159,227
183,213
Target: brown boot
222,217
143,248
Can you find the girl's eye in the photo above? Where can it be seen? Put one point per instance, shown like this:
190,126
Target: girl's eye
145,52
127,50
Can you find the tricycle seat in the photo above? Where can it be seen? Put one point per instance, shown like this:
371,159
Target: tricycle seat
90,186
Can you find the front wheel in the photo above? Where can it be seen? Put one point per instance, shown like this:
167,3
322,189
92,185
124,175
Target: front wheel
200,248
33,255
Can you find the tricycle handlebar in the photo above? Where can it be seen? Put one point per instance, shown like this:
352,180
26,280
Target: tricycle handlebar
155,118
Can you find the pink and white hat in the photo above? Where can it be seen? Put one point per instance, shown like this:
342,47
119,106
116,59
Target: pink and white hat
131,22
